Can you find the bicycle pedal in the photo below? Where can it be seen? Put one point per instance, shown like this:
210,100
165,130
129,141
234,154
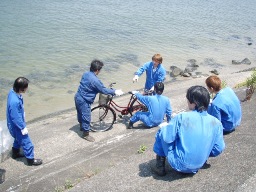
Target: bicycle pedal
121,116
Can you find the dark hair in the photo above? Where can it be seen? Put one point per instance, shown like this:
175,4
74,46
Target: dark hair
96,65
20,84
159,88
200,96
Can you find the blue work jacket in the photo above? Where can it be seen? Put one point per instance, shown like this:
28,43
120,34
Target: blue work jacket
90,86
152,76
227,108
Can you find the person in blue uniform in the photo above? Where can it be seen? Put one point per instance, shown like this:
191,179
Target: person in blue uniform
158,105
190,138
225,105
155,72
16,123
89,87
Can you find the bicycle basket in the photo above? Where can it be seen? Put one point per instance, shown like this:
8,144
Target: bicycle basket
103,99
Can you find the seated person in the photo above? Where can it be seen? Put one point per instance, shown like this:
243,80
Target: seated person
225,105
158,105
190,138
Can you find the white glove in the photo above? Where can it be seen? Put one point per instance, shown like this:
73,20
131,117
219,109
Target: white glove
134,92
24,131
119,92
152,88
135,78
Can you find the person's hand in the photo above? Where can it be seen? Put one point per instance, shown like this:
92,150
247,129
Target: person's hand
119,92
24,131
135,78
152,89
134,92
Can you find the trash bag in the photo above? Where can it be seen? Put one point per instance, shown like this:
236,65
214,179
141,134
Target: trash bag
6,140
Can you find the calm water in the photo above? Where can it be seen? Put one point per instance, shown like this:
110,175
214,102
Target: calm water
52,42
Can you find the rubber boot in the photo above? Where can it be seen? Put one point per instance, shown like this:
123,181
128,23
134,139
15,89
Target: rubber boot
87,137
34,162
130,125
159,168
81,129
16,153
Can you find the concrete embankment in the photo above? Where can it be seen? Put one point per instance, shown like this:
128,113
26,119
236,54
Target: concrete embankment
112,163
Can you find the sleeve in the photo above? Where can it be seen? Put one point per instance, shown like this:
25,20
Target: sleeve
142,69
102,89
17,115
219,145
142,98
214,111
168,110
169,132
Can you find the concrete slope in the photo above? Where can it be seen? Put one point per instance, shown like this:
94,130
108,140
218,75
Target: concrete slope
112,162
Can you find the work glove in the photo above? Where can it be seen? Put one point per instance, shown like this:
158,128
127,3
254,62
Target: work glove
152,89
134,92
118,92
135,78
24,131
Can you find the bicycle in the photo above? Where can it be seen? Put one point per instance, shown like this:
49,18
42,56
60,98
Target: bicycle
104,116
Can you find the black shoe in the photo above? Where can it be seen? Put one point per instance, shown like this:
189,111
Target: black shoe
16,153
87,137
159,167
130,125
34,162
81,129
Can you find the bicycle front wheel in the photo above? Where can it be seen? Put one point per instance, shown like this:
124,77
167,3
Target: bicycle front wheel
102,118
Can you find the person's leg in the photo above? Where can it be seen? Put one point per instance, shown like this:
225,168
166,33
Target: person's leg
138,116
28,149
16,150
161,149
85,121
78,103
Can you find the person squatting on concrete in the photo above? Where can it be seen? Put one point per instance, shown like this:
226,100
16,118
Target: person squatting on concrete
225,105
155,72
16,124
89,87
158,105
190,138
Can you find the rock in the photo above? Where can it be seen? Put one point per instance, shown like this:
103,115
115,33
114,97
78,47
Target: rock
246,61
215,72
249,43
175,71
186,75
235,62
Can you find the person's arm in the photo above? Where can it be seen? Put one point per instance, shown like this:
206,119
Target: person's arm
214,111
142,69
168,111
169,132
17,115
102,89
219,145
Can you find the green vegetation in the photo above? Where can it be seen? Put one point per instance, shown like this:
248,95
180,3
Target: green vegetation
142,149
223,84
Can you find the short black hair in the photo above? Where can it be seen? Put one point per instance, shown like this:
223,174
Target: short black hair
200,96
20,84
159,88
96,65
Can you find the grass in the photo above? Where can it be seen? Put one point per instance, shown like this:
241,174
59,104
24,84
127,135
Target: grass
142,149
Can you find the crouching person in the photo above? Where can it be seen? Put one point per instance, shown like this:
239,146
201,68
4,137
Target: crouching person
190,138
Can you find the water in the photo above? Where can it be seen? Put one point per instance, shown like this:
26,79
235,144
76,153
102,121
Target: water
52,42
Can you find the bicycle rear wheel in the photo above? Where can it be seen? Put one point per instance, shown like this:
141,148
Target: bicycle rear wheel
102,118
136,105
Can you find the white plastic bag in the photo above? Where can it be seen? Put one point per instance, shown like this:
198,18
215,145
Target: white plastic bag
6,140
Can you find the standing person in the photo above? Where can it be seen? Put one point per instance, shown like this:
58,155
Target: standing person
158,105
155,72
16,124
89,87
225,105
190,138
